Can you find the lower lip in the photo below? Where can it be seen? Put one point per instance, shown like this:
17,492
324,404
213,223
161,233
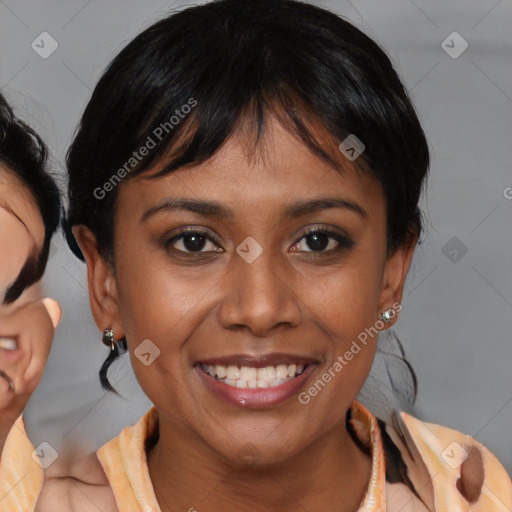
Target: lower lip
256,398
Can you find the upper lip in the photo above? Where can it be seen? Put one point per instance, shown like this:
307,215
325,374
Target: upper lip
258,361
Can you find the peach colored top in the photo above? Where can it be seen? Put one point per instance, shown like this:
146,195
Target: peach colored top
450,471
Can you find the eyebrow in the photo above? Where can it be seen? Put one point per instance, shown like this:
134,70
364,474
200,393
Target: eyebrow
215,209
27,276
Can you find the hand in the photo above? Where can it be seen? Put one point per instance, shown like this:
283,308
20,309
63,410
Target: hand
26,335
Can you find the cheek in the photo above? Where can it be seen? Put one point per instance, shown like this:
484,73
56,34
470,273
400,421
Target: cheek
160,301
344,304
345,298
154,299
344,307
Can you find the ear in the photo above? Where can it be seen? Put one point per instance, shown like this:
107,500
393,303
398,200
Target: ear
395,272
101,282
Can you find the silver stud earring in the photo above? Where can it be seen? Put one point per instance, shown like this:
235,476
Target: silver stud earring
387,315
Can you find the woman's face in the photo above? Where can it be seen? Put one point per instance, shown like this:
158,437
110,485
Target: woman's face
248,288
21,234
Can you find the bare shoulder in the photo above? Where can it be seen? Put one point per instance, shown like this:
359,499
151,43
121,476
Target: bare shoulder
77,485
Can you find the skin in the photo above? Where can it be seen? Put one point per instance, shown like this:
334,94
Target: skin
22,230
30,320
216,304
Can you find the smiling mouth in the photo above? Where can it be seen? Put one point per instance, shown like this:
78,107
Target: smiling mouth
252,377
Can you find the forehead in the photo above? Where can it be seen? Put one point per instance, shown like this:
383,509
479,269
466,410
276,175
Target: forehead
276,170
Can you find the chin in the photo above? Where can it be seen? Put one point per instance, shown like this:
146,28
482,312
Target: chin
257,448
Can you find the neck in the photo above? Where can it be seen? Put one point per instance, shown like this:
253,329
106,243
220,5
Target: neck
331,475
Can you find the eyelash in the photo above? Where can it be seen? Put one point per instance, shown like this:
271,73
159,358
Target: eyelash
344,242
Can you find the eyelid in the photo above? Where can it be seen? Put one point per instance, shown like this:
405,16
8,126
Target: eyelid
326,228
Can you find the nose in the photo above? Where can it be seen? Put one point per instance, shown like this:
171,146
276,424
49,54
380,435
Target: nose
259,296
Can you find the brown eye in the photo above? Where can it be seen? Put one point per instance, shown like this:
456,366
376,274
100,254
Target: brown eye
322,241
192,241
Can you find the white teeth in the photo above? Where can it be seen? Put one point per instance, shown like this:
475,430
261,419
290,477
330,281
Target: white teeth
8,343
282,371
250,377
267,374
232,373
291,370
220,371
247,373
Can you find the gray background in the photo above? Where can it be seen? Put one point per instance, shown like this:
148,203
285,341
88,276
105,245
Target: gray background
456,321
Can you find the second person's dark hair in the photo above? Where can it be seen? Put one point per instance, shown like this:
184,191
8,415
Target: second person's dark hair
24,155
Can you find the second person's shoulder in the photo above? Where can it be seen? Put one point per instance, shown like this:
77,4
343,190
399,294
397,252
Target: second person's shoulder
462,471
